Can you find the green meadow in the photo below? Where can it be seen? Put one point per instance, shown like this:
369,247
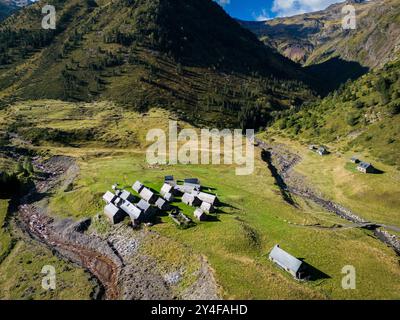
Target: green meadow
236,241
375,197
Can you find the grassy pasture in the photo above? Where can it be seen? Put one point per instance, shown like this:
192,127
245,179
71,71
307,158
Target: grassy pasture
237,243
21,263
372,196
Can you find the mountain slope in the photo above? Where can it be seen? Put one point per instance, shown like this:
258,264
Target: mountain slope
317,37
187,56
6,9
363,115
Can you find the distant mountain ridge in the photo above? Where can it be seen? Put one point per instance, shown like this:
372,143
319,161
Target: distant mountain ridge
317,37
7,7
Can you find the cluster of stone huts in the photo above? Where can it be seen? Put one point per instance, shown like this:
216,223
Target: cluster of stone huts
362,166
191,195
121,203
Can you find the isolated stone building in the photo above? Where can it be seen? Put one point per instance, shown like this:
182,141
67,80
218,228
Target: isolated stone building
287,262
365,167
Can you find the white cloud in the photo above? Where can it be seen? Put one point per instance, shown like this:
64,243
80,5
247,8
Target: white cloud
261,16
223,2
284,8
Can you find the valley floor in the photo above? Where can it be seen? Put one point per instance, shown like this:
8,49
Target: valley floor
236,243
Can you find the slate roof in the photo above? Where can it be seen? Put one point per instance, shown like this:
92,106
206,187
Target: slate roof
166,188
161,204
133,211
125,195
206,197
147,194
188,198
143,205
207,207
111,210
137,186
169,197
364,165
192,181
199,214
285,260
109,197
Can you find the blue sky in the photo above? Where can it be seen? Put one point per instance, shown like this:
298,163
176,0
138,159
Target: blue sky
267,9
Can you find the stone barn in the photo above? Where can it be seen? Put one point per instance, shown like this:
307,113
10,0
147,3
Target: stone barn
148,195
147,209
114,214
162,204
125,195
169,197
322,151
137,186
133,211
166,188
200,215
287,262
109,197
365,167
191,200
207,207
170,180
206,197
192,183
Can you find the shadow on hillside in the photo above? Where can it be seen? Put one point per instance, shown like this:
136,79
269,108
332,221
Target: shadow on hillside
279,181
313,274
212,218
226,205
334,72
378,171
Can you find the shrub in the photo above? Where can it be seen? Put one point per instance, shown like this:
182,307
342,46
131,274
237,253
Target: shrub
352,120
394,107
359,104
